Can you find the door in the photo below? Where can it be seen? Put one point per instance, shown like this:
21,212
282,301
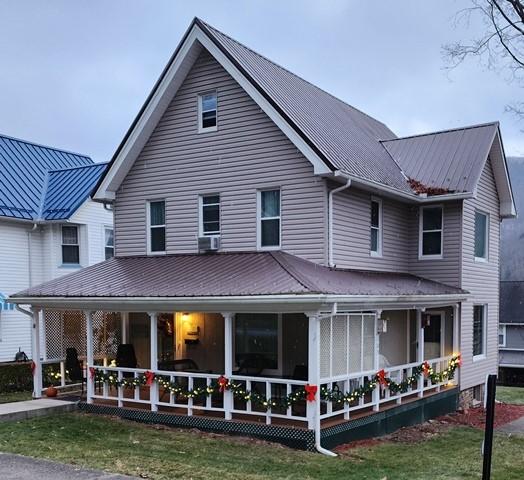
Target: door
434,335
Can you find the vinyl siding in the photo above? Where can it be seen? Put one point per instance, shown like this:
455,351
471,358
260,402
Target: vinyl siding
481,279
246,153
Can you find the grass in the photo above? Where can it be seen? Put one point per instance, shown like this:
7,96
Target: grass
15,397
511,395
158,453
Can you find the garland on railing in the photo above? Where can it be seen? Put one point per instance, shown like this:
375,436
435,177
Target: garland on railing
308,392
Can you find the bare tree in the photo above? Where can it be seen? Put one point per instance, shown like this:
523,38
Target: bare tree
501,47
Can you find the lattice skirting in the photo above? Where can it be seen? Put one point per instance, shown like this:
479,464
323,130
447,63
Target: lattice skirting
291,437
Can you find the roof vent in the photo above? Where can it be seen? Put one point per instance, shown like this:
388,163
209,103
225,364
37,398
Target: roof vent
208,243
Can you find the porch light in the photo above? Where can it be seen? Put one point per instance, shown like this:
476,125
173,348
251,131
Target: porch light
185,317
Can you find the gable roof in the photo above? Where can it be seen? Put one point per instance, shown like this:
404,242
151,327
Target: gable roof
32,177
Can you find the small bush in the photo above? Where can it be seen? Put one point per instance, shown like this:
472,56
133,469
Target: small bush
16,377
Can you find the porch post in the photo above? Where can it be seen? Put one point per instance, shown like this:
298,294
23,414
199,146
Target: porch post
89,355
35,340
153,392
125,326
228,362
376,361
456,338
313,408
420,349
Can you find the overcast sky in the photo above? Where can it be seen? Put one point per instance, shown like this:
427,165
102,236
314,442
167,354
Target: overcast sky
74,74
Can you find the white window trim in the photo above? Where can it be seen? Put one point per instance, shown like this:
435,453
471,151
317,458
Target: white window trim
503,344
77,244
378,252
486,258
201,215
148,224
201,129
481,356
259,220
420,232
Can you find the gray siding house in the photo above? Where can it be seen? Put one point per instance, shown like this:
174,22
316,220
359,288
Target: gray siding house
283,261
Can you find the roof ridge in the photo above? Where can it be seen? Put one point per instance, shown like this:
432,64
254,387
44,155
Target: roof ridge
436,132
278,257
290,72
94,164
41,145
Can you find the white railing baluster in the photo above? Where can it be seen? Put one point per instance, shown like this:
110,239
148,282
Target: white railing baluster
289,411
208,397
249,389
136,388
120,389
329,403
268,398
105,388
346,405
190,399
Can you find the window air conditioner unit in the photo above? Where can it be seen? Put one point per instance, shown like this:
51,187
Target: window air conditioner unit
209,243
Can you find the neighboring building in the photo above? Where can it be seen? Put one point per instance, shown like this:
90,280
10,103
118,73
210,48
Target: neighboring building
269,233
511,333
48,226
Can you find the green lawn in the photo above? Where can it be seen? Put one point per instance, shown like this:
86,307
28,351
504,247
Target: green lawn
15,397
159,453
511,395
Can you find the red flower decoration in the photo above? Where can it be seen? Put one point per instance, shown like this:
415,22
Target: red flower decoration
459,360
381,377
150,376
311,392
33,368
92,372
426,369
223,383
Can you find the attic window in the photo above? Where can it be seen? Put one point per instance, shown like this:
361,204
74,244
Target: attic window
207,112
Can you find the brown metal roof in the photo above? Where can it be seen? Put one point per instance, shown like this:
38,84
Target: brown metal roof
228,274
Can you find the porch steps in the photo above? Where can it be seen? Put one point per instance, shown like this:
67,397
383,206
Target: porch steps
15,411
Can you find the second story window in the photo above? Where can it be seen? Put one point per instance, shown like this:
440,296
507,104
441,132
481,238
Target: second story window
376,227
70,245
109,243
156,226
431,234
481,236
269,219
209,215
207,112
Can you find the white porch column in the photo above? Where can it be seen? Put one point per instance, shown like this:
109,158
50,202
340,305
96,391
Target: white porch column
125,326
228,361
153,392
35,347
89,356
420,349
313,408
376,361
456,338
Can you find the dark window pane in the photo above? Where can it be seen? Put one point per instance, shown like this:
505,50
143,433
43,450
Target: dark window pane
270,233
209,119
110,241
270,203
431,243
211,213
256,340
432,218
158,239
157,210
374,240
109,252
481,221
478,330
70,254
375,215
211,227
209,102
70,235
210,199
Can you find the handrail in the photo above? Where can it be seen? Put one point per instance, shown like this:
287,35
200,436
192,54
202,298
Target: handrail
166,373
284,381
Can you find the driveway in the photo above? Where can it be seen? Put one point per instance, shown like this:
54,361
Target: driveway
17,467
514,427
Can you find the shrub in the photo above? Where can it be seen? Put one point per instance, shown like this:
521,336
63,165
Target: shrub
16,377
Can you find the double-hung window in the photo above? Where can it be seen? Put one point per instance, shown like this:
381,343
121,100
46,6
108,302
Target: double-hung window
207,112
70,245
376,227
431,232
269,219
481,236
156,226
479,331
109,243
209,215
502,335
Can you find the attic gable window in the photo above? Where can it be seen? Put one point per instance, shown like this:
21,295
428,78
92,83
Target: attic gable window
431,232
207,112
376,227
481,236
156,226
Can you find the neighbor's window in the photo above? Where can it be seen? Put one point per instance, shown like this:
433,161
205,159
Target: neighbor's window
207,112
210,215
479,330
431,232
481,235
109,243
70,246
269,218
376,227
256,342
502,335
156,226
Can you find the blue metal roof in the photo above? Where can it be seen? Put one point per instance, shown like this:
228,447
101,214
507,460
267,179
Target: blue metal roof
35,177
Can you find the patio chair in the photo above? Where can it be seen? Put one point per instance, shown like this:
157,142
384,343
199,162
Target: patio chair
74,369
126,357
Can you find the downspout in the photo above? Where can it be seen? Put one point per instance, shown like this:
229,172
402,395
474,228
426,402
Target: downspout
30,253
330,219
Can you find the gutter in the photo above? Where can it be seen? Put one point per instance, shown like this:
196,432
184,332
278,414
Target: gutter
330,218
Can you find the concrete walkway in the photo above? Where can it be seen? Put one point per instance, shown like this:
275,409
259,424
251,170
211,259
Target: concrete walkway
17,467
514,427
16,411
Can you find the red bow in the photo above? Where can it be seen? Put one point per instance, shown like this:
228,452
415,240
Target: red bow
223,382
381,377
92,372
311,392
426,369
33,367
150,376
459,360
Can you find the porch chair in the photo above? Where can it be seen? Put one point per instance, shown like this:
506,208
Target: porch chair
126,357
74,369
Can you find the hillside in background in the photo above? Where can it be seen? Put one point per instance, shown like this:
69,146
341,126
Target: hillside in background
512,230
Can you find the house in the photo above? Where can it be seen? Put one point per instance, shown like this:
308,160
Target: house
48,226
511,333
285,266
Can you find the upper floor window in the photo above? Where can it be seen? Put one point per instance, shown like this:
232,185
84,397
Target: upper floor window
430,235
481,236
210,215
376,227
479,330
502,335
70,245
269,219
207,112
109,243
156,226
